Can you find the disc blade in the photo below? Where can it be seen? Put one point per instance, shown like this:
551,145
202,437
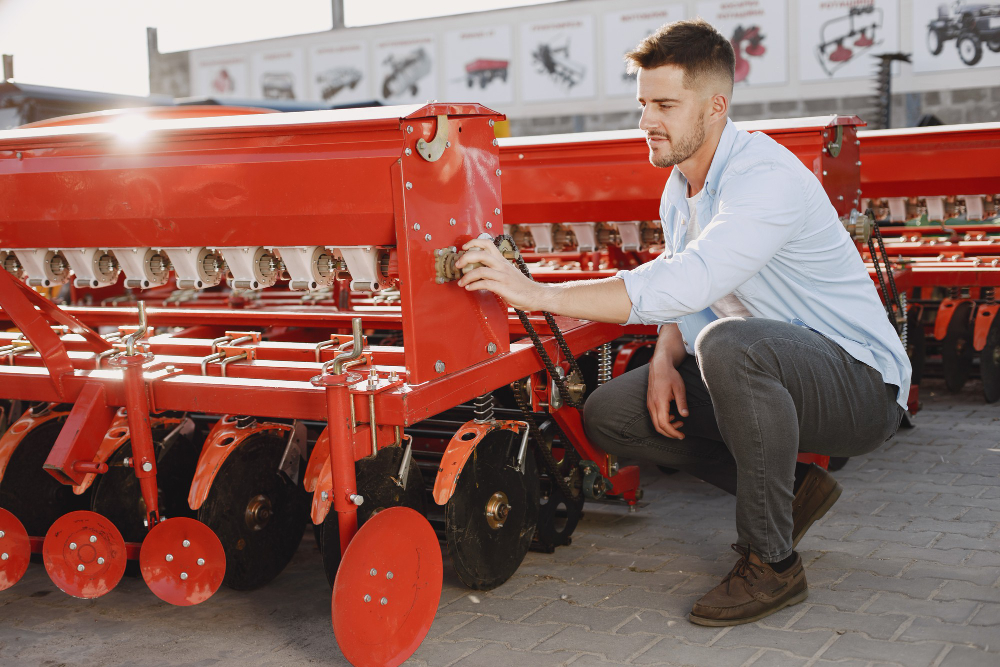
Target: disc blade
387,588
989,364
182,561
84,554
15,550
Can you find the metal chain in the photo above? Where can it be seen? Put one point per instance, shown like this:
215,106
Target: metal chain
551,465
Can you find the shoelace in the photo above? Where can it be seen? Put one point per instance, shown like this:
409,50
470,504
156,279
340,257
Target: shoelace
743,568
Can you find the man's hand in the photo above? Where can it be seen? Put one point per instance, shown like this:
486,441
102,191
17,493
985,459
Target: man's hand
499,276
666,384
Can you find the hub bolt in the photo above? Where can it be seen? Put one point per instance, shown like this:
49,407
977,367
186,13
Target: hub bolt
100,561
388,575
184,575
93,538
368,598
373,572
170,557
201,561
147,466
186,543
1,534
79,568
72,546
4,556
384,601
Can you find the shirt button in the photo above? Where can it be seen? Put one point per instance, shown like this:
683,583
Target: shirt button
712,191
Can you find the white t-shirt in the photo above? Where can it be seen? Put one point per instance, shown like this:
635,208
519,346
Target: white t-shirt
729,305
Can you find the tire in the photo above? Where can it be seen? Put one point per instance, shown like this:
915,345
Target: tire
934,42
970,49
994,44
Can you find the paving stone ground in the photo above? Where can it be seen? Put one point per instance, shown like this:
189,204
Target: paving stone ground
904,570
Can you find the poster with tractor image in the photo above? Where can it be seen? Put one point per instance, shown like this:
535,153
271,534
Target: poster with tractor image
558,60
758,31
838,38
478,65
622,32
279,74
405,70
339,73
955,35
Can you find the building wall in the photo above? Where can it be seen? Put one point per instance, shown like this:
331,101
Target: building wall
956,96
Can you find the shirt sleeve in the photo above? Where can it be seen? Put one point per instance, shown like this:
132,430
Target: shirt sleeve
760,210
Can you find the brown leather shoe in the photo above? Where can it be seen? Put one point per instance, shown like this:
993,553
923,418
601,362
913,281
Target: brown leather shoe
817,494
751,591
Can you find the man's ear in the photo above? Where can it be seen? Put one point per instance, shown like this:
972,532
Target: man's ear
719,108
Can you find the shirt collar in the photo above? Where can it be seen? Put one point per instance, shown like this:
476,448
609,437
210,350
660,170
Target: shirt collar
677,183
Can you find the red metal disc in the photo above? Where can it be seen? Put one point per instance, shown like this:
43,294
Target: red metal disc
15,550
84,554
387,589
182,561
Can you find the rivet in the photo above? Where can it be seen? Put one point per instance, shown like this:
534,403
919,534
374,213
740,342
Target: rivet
184,575
4,556
368,598
201,561
491,122
19,156
496,143
384,601
388,575
1,534
409,186
824,172
489,225
186,543
496,211
170,557
859,163
427,237
452,222
147,466
372,572
79,568
498,172
408,152
416,226
93,538
100,561
409,129
72,546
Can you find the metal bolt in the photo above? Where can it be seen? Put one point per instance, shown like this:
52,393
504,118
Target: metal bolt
372,572
859,163
127,462
491,122
19,156
356,499
491,348
79,568
496,143
201,561
384,601
388,575
100,561
4,556
184,575
489,225
416,226
324,496
170,369
824,172
409,129
186,543
452,222
93,538
408,152
170,557
447,144
496,211
409,186
72,546
147,466
439,366
368,598
427,237
498,172
1,534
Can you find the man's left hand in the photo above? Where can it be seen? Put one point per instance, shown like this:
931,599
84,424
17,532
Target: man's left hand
499,276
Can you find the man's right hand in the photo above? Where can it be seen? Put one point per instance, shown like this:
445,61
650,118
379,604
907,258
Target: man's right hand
665,384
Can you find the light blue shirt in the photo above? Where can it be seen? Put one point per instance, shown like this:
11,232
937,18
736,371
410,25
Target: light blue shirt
775,241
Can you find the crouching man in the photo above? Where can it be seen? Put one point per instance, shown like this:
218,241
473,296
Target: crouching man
773,341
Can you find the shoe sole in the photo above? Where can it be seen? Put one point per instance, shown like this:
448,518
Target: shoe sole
716,623
820,512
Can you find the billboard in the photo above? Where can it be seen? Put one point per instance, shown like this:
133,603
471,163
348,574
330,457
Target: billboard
954,36
220,76
279,74
622,32
339,73
837,38
478,65
406,70
557,59
758,31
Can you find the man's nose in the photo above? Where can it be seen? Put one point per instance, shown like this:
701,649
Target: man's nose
645,121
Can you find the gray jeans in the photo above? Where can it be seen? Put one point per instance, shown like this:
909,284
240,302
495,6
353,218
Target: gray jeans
759,392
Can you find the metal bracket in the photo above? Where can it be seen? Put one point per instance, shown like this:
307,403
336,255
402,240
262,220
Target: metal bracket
291,460
433,150
833,148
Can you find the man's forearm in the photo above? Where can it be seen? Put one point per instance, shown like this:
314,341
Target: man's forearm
670,344
603,300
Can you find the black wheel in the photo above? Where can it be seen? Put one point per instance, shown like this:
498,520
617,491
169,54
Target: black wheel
257,512
837,463
916,345
377,483
413,89
668,471
989,364
31,494
557,519
387,88
117,494
934,42
970,48
491,519
956,348
994,45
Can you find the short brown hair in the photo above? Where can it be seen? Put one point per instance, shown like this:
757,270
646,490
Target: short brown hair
693,45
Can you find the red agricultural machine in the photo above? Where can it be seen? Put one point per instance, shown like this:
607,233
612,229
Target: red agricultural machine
254,325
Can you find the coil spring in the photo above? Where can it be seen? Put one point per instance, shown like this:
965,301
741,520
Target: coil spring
482,407
906,322
603,364
988,294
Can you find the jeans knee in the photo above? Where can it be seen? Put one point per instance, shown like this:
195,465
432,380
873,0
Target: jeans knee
598,414
721,342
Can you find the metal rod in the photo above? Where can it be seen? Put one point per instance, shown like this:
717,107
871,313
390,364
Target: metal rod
371,422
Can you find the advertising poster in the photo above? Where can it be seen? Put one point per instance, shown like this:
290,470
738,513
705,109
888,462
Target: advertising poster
837,38
955,36
220,76
622,32
279,74
758,31
340,73
405,71
557,59
478,65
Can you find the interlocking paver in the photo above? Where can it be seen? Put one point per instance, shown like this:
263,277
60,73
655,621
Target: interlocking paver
673,652
922,654
965,656
577,640
922,628
881,626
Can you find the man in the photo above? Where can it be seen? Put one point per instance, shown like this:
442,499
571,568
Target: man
774,340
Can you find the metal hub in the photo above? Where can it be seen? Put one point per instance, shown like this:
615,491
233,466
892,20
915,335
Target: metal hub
258,512
497,510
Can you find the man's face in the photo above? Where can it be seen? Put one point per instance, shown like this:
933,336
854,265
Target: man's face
673,117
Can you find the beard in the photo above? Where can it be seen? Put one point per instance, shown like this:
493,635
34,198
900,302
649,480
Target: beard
682,149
